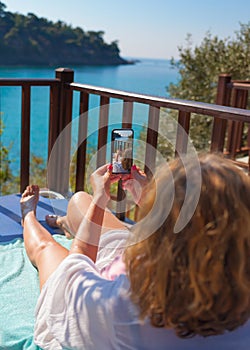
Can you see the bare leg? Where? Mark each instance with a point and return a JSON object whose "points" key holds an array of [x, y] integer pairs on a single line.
{"points": [[77, 208], [43, 251]]}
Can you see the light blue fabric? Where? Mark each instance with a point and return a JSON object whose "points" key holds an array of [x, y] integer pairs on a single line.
{"points": [[19, 290]]}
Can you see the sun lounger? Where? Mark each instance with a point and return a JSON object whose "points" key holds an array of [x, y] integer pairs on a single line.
{"points": [[19, 284], [10, 215]]}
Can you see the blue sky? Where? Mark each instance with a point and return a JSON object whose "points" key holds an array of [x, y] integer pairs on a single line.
{"points": [[144, 28]]}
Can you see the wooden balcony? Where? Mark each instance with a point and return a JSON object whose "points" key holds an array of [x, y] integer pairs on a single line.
{"points": [[230, 133]]}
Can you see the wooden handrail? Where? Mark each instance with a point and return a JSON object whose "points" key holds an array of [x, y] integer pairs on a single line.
{"points": [[178, 104], [28, 81], [240, 85], [235, 94], [61, 96]]}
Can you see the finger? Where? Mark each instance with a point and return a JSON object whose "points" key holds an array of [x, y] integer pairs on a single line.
{"points": [[125, 177], [127, 184], [110, 168], [107, 175], [138, 174], [114, 178], [101, 170], [135, 172]]}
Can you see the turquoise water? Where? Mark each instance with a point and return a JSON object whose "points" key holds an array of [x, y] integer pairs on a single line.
{"points": [[149, 76]]}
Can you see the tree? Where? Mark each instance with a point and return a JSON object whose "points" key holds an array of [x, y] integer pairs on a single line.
{"points": [[2, 9], [10, 183], [199, 68], [38, 41]]}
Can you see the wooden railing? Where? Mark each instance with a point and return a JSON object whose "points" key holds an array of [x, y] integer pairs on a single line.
{"points": [[232, 137], [62, 90], [26, 85]]}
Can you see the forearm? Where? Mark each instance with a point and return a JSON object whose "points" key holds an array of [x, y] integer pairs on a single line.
{"points": [[87, 237]]}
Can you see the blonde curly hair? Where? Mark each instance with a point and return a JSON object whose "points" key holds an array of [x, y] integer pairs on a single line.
{"points": [[198, 280]]}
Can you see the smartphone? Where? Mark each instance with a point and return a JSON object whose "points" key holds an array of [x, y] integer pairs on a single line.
{"points": [[122, 150]]}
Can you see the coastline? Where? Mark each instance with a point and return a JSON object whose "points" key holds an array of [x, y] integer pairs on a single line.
{"points": [[113, 62]]}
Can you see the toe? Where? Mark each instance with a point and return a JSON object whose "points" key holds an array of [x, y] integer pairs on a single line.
{"points": [[51, 220], [25, 192]]}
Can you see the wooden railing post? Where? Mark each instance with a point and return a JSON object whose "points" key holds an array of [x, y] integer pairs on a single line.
{"points": [[235, 129], [127, 116], [152, 137], [25, 138], [82, 142], [220, 125], [60, 138], [182, 133], [102, 131]]}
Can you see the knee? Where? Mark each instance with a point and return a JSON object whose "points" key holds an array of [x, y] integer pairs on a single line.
{"points": [[77, 208], [79, 202], [80, 197]]}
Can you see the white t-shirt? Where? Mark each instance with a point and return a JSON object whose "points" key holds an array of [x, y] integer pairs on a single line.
{"points": [[79, 309]]}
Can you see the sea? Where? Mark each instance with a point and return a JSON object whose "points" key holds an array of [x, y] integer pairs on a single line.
{"points": [[146, 76]]}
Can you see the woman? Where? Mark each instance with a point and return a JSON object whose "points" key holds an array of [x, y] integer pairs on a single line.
{"points": [[166, 286]]}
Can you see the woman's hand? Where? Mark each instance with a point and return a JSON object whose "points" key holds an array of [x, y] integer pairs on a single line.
{"points": [[135, 183], [101, 180]]}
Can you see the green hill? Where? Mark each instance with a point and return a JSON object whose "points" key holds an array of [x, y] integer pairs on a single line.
{"points": [[30, 40]]}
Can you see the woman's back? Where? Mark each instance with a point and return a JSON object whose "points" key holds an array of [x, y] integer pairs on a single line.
{"points": [[80, 309]]}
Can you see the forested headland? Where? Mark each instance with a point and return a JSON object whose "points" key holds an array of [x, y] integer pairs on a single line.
{"points": [[30, 40]]}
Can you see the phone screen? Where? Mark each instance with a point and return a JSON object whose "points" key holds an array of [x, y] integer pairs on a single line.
{"points": [[122, 150]]}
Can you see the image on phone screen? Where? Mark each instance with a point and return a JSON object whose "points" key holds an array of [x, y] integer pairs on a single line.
{"points": [[122, 150]]}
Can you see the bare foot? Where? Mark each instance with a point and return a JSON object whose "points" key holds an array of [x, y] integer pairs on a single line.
{"points": [[59, 222], [52, 220], [29, 200]]}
